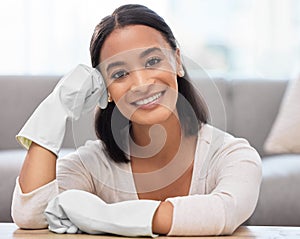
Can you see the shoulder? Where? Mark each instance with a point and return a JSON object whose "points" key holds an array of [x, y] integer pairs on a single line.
{"points": [[223, 156], [219, 138], [222, 144]]}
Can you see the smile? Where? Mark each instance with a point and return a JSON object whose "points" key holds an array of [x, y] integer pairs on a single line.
{"points": [[148, 100]]}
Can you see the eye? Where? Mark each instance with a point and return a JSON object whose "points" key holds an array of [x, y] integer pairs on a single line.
{"points": [[119, 74], [152, 62]]}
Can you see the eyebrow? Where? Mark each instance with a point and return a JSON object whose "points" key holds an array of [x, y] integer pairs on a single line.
{"points": [[142, 54], [148, 51], [114, 64]]}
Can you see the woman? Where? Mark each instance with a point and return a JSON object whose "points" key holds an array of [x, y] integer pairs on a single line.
{"points": [[155, 145]]}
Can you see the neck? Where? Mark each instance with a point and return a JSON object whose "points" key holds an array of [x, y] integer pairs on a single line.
{"points": [[160, 141]]}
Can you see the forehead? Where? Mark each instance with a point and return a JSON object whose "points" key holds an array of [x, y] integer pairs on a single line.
{"points": [[130, 38]]}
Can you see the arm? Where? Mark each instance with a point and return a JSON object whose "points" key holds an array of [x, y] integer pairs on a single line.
{"points": [[28, 207], [162, 219], [126, 218], [237, 175], [39, 168], [76, 93], [43, 134]]}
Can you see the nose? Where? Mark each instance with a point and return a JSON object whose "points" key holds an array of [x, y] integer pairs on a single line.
{"points": [[140, 79]]}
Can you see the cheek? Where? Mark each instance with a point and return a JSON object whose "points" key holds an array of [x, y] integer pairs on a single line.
{"points": [[117, 91], [171, 80]]}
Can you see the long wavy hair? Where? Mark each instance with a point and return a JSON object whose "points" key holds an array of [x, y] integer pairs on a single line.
{"points": [[134, 14]]}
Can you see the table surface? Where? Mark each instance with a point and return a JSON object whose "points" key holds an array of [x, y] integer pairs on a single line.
{"points": [[10, 231]]}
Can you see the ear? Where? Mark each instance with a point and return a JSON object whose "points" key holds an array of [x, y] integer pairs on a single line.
{"points": [[179, 67], [109, 98]]}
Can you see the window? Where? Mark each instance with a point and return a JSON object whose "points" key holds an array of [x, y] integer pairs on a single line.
{"points": [[224, 37]]}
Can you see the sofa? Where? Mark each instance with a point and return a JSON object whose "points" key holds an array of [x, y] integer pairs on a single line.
{"points": [[243, 107]]}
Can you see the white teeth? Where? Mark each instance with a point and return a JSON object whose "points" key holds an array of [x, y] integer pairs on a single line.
{"points": [[149, 99]]}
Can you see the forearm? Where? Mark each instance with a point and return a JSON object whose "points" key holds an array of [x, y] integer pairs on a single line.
{"points": [[162, 220], [39, 168]]}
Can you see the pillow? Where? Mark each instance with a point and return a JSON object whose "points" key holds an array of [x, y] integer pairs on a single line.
{"points": [[285, 133]]}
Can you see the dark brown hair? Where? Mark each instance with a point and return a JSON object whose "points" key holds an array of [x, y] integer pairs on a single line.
{"points": [[191, 108]]}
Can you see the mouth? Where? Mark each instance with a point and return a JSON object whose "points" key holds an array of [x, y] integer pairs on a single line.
{"points": [[153, 99]]}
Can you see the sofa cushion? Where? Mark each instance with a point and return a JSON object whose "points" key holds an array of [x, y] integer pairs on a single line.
{"points": [[278, 202], [254, 108], [285, 134], [19, 97]]}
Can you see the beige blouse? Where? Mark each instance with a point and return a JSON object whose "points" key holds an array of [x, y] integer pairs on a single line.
{"points": [[223, 193]]}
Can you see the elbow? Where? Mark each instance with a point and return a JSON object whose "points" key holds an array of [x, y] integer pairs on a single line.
{"points": [[232, 223], [27, 210], [236, 216], [230, 229], [29, 221]]}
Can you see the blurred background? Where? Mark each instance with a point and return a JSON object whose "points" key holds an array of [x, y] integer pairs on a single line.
{"points": [[250, 50], [230, 38]]}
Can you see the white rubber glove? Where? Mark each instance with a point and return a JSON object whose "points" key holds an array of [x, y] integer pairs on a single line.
{"points": [[74, 210], [75, 94]]}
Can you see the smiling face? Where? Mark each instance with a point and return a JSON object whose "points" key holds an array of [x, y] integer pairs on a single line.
{"points": [[140, 70]]}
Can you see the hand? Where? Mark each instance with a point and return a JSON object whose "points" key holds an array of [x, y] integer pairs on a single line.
{"points": [[90, 214], [80, 90], [75, 94]]}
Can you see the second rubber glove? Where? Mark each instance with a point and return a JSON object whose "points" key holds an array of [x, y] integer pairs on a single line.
{"points": [[75, 94], [75, 210]]}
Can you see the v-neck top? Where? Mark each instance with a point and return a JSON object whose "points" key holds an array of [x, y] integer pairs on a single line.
{"points": [[223, 192]]}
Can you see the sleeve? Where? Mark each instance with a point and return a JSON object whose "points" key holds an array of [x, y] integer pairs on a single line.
{"points": [[28, 208], [237, 177]]}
